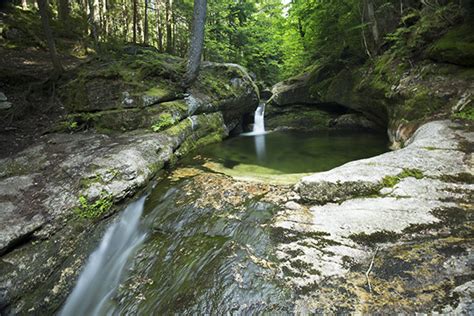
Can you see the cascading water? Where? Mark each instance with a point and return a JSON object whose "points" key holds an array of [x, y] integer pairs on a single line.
{"points": [[259, 131], [104, 268], [259, 120]]}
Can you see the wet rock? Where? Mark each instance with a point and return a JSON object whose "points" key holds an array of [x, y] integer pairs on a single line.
{"points": [[109, 100], [366, 177], [5, 105], [39, 199], [3, 97], [353, 121], [419, 225], [266, 94], [294, 91]]}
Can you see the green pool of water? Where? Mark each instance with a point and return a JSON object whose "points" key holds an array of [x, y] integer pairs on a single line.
{"points": [[293, 152]]}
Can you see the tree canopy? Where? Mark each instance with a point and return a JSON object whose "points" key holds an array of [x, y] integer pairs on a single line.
{"points": [[274, 39]]}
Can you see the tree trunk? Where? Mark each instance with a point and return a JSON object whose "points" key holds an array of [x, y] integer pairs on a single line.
{"points": [[159, 28], [169, 40], [196, 42], [63, 11], [373, 21], [145, 26], [94, 20], [44, 13], [364, 38], [24, 4], [134, 21], [174, 32]]}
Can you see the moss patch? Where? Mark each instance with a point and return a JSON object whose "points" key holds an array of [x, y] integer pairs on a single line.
{"points": [[456, 46], [391, 181], [466, 114], [382, 236], [95, 209], [300, 119], [164, 121]]}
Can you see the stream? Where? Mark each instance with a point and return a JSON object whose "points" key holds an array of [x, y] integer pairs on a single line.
{"points": [[202, 242]]}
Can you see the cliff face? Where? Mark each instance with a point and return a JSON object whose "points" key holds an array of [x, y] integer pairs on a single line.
{"points": [[426, 73]]}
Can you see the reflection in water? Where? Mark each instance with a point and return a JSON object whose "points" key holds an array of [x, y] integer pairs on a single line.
{"points": [[296, 151], [260, 148]]}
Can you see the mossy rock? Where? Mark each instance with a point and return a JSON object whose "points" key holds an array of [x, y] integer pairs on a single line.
{"points": [[300, 119], [121, 119], [227, 88], [456, 46], [122, 81]]}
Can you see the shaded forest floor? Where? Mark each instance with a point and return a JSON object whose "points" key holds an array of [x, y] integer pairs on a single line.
{"points": [[25, 80]]}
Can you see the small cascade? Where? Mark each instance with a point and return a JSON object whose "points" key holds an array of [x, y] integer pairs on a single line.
{"points": [[259, 120], [103, 271]]}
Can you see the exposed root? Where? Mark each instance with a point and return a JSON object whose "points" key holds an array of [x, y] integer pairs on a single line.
{"points": [[370, 269]]}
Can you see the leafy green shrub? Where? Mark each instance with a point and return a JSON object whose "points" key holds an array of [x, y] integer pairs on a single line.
{"points": [[465, 114], [95, 209], [165, 121]]}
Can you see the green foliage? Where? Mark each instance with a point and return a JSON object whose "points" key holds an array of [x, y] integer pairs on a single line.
{"points": [[391, 181], [246, 33], [418, 28], [456, 46], [165, 120], [466, 114], [96, 209]]}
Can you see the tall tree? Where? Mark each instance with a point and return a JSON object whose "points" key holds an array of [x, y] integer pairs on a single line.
{"points": [[44, 13], [63, 11], [135, 13], [373, 21], [169, 31], [196, 42], [145, 22], [159, 28], [94, 20]]}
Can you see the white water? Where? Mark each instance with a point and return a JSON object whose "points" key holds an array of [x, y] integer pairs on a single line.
{"points": [[259, 120], [259, 131], [104, 268]]}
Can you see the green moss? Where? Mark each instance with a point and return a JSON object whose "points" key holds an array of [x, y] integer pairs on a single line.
{"points": [[102, 83], [456, 46], [382, 236], [300, 119], [464, 178], [421, 105], [116, 120], [157, 92], [96, 209], [179, 106], [415, 173], [165, 120], [466, 114], [391, 181]]}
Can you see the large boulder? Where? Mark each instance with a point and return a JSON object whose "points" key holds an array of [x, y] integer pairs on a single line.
{"points": [[455, 47], [295, 90], [227, 88], [145, 91]]}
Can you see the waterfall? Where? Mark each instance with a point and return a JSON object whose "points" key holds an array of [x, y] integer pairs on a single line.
{"points": [[103, 271], [259, 120]]}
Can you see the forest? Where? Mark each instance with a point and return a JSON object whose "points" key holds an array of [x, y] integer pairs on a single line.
{"points": [[236, 157]]}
